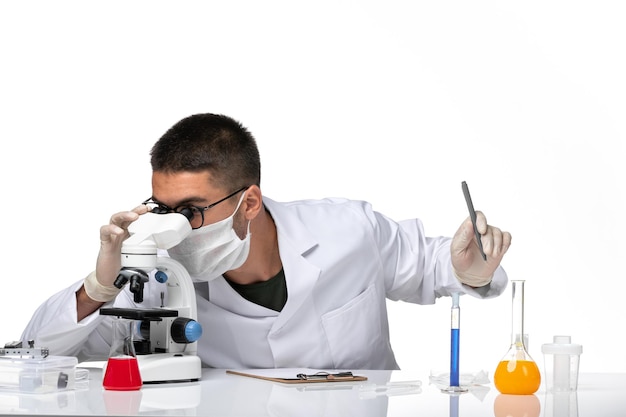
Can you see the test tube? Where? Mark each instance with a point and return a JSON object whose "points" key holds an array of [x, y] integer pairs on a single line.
{"points": [[455, 330], [454, 340]]}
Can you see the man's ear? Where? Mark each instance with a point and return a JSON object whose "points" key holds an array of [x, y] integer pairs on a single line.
{"points": [[253, 202]]}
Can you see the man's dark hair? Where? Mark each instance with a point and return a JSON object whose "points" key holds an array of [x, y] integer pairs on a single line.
{"points": [[210, 142]]}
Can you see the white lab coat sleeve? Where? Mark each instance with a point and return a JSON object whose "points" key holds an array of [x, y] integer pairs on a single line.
{"points": [[54, 325], [418, 268]]}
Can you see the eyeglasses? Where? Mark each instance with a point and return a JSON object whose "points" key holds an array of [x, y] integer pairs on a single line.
{"points": [[195, 214]]}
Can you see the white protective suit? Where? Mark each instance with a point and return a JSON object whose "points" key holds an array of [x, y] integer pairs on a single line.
{"points": [[341, 259]]}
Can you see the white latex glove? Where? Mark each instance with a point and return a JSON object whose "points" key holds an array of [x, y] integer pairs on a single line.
{"points": [[99, 284], [468, 264]]}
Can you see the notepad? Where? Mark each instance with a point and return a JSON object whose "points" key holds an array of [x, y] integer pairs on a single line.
{"points": [[299, 376]]}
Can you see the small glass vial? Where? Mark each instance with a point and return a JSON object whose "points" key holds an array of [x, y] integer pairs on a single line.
{"points": [[517, 373]]}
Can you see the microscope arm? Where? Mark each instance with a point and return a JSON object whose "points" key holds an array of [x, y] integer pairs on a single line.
{"points": [[180, 290]]}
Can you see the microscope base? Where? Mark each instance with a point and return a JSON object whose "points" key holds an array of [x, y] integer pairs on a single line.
{"points": [[169, 367]]}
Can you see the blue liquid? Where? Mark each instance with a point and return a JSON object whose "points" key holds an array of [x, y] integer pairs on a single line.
{"points": [[454, 357]]}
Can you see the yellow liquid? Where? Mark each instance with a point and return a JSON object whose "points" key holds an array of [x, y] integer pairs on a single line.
{"points": [[523, 379]]}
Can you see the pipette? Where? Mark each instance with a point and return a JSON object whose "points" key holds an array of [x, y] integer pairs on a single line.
{"points": [[455, 330]]}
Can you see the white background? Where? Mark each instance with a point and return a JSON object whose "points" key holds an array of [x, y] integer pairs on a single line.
{"points": [[394, 102]]}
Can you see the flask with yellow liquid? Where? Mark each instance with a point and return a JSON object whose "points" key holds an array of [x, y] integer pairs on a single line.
{"points": [[517, 373]]}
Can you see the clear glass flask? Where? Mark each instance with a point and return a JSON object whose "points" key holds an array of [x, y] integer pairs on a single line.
{"points": [[122, 369], [517, 373]]}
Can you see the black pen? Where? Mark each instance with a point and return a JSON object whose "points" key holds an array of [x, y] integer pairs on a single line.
{"points": [[327, 376], [472, 212]]}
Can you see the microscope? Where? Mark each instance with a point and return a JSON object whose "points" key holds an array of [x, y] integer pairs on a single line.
{"points": [[166, 342]]}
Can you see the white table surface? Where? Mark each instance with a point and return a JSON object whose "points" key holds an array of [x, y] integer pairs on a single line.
{"points": [[222, 394]]}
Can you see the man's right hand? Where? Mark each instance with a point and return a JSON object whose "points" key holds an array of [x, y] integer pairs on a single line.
{"points": [[108, 264], [112, 236]]}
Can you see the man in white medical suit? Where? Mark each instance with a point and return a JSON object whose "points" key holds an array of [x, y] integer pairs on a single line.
{"points": [[297, 284]]}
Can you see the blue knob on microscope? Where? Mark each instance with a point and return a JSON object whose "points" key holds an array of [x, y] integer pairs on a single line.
{"points": [[160, 276], [185, 330], [193, 331]]}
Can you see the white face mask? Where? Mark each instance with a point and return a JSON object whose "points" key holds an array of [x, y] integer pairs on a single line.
{"points": [[211, 250]]}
